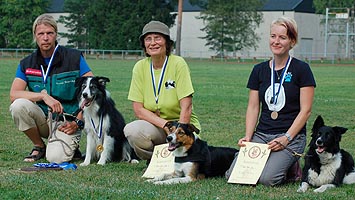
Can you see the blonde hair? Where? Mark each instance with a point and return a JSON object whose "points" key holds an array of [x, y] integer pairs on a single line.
{"points": [[290, 25], [46, 20]]}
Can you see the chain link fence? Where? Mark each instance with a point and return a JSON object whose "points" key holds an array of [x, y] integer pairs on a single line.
{"points": [[139, 54]]}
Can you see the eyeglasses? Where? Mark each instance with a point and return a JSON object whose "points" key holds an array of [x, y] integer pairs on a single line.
{"points": [[155, 38]]}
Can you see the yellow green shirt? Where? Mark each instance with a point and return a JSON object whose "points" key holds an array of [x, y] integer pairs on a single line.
{"points": [[176, 84]]}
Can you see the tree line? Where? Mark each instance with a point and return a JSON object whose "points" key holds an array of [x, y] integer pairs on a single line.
{"points": [[117, 24]]}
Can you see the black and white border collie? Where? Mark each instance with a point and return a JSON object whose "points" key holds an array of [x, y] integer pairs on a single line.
{"points": [[194, 159], [326, 165], [103, 123]]}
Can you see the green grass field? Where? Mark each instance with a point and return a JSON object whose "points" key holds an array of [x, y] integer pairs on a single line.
{"points": [[220, 101]]}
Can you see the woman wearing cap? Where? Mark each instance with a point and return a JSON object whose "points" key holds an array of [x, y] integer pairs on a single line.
{"points": [[284, 87], [161, 90]]}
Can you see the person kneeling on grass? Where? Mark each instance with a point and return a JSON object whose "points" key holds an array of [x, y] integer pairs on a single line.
{"points": [[49, 74], [281, 95]]}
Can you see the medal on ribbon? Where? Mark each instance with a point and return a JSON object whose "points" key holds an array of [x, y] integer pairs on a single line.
{"points": [[275, 94], [274, 115], [155, 89], [100, 148], [98, 132]]}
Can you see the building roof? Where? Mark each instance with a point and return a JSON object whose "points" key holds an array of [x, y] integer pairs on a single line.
{"points": [[187, 7], [305, 6], [57, 6]]}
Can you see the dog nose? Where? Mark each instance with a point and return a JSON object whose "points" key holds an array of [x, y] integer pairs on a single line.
{"points": [[169, 138], [319, 141], [85, 95]]}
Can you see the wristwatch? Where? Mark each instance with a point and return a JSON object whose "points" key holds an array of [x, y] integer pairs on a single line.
{"points": [[288, 136], [80, 124]]}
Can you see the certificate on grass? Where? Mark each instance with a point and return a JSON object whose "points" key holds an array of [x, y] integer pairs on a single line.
{"points": [[162, 162], [250, 163]]}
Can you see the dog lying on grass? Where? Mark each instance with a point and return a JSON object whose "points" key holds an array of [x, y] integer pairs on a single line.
{"points": [[326, 165], [194, 159]]}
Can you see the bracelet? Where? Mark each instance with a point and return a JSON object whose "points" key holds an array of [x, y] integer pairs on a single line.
{"points": [[288, 136]]}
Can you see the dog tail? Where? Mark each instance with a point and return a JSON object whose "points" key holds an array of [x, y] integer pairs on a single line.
{"points": [[350, 178], [128, 153]]}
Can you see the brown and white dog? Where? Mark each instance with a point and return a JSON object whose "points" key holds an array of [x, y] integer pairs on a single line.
{"points": [[194, 159]]}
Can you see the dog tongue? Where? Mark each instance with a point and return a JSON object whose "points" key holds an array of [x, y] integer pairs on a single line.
{"points": [[171, 147], [320, 149], [84, 103]]}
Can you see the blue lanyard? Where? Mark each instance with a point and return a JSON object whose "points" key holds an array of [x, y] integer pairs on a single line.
{"points": [[275, 95], [45, 74], [99, 132], [157, 91]]}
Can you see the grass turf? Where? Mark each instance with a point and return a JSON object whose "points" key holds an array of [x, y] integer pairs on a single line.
{"points": [[220, 102]]}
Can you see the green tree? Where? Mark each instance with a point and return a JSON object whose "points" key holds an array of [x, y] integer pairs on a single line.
{"points": [[230, 24], [16, 19], [112, 24], [75, 23]]}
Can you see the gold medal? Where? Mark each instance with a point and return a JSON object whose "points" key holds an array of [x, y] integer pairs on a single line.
{"points": [[274, 115], [99, 148]]}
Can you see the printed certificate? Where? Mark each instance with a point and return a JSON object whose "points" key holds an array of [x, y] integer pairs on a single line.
{"points": [[250, 163], [162, 162]]}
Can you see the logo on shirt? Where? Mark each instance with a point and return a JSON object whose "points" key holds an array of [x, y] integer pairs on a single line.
{"points": [[170, 84], [33, 72], [288, 77]]}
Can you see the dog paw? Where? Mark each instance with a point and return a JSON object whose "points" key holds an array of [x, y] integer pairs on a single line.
{"points": [[159, 183], [101, 163], [324, 188], [319, 190], [303, 187], [134, 161], [151, 180], [84, 164]]}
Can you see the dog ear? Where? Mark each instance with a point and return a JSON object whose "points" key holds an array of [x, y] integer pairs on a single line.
{"points": [[79, 81], [193, 128], [317, 124], [167, 127], [339, 130], [102, 80], [168, 124]]}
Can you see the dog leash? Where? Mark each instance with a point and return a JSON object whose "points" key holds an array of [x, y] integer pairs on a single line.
{"points": [[294, 153], [52, 131]]}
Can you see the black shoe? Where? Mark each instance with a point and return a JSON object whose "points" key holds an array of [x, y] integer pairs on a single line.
{"points": [[77, 155]]}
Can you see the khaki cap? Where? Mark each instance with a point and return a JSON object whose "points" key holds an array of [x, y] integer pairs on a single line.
{"points": [[155, 27]]}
